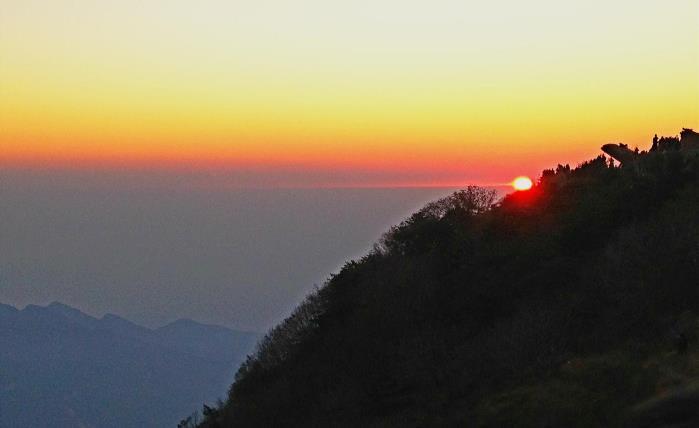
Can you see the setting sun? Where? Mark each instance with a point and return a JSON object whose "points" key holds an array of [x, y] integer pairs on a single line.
{"points": [[522, 183]]}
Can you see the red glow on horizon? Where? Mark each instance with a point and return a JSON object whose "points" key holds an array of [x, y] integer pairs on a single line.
{"points": [[258, 172]]}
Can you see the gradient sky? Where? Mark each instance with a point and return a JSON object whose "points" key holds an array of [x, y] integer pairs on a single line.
{"points": [[340, 93]]}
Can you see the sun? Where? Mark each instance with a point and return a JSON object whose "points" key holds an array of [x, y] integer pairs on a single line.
{"points": [[522, 183]]}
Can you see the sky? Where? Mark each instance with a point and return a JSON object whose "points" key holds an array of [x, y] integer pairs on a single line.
{"points": [[389, 92], [215, 159], [242, 258]]}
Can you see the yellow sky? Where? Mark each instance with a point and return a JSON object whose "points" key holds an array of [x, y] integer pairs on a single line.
{"points": [[483, 89]]}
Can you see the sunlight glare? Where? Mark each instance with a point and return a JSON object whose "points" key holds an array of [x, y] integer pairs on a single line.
{"points": [[522, 183]]}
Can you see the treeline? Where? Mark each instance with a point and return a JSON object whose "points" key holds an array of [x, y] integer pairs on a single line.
{"points": [[549, 307]]}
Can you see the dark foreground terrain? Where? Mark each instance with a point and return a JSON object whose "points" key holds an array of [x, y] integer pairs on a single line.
{"points": [[572, 304], [62, 368]]}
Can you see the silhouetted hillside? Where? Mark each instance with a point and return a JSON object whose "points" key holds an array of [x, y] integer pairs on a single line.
{"points": [[572, 304], [62, 368]]}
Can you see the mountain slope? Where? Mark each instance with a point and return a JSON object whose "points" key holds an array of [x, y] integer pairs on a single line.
{"points": [[62, 368], [566, 305]]}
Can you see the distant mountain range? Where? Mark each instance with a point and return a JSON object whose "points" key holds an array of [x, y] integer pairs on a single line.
{"points": [[60, 367]]}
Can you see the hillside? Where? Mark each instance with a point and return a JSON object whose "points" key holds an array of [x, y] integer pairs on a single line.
{"points": [[62, 368], [572, 304]]}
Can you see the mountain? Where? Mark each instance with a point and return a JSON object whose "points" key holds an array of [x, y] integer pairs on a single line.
{"points": [[573, 304], [7, 310], [60, 367]]}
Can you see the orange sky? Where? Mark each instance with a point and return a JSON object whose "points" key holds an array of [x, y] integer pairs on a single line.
{"points": [[386, 92]]}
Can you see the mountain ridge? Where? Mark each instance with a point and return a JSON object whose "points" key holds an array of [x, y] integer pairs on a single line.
{"points": [[572, 304], [60, 367]]}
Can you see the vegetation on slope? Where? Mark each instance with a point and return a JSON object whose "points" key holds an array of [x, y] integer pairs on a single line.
{"points": [[566, 305]]}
